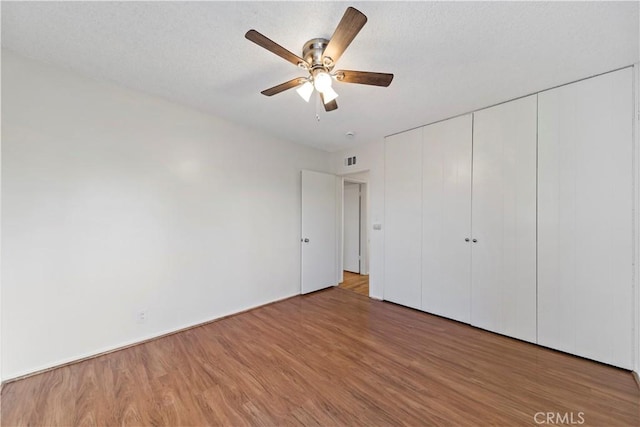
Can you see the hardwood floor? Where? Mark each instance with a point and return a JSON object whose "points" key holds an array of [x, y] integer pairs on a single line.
{"points": [[356, 283], [329, 358]]}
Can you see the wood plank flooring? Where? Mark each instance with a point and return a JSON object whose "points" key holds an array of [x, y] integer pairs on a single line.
{"points": [[329, 358], [355, 282]]}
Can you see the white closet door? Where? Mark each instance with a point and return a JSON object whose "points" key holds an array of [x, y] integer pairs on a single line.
{"points": [[503, 290], [403, 218], [585, 294], [446, 218]]}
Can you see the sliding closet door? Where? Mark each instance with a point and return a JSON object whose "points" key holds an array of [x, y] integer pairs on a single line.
{"points": [[446, 218], [403, 218], [585, 294], [503, 290]]}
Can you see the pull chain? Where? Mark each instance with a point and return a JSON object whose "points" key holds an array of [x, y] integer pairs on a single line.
{"points": [[318, 102]]}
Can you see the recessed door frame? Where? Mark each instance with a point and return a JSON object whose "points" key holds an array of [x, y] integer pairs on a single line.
{"points": [[352, 227], [364, 222]]}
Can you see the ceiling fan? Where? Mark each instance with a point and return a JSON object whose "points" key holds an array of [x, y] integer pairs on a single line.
{"points": [[319, 57]]}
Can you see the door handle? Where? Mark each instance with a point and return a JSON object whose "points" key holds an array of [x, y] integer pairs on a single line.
{"points": [[466, 239], [475, 240], [305, 240]]}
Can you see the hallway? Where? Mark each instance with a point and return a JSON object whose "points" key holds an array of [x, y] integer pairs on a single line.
{"points": [[355, 282]]}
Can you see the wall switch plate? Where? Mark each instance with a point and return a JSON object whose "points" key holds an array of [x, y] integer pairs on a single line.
{"points": [[377, 226]]}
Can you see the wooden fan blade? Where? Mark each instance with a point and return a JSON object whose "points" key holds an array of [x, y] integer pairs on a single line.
{"points": [[364, 77], [329, 106], [350, 25], [284, 86], [272, 46]]}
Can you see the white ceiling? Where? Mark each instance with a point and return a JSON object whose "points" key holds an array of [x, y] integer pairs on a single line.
{"points": [[448, 57]]}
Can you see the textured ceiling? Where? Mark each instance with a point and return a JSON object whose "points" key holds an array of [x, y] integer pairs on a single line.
{"points": [[448, 57]]}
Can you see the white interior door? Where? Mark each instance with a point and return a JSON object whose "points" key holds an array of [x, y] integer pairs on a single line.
{"points": [[446, 218], [318, 238], [351, 254], [503, 289]]}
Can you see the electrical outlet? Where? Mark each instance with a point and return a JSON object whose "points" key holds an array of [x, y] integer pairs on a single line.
{"points": [[141, 316]]}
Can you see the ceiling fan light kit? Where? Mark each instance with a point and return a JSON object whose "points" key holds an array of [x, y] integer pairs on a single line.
{"points": [[319, 57]]}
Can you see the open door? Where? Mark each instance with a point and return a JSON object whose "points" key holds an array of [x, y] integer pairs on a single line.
{"points": [[318, 237]]}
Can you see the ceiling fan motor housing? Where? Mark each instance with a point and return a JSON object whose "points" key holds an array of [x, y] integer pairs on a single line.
{"points": [[312, 54]]}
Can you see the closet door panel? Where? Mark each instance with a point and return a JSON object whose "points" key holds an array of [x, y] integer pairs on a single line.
{"points": [[403, 218], [503, 291], [446, 218], [585, 294]]}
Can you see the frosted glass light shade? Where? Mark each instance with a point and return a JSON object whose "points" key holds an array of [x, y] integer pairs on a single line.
{"points": [[305, 91], [329, 95], [322, 81]]}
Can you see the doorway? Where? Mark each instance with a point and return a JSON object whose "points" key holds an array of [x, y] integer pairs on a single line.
{"points": [[352, 219], [354, 248]]}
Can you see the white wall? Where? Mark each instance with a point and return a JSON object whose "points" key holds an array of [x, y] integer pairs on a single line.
{"points": [[370, 157], [115, 202]]}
